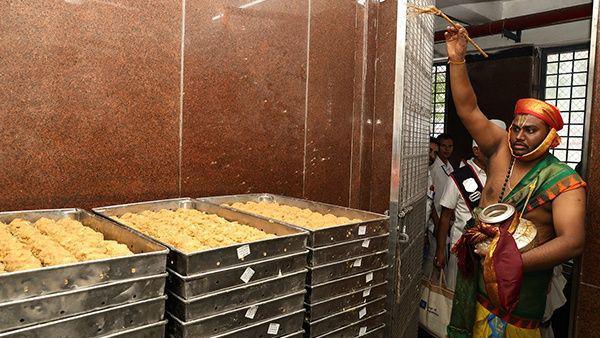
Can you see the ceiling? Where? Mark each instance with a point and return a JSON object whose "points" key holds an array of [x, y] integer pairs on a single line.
{"points": [[474, 12]]}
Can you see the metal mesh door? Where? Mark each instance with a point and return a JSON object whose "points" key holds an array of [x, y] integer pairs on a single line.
{"points": [[412, 113]]}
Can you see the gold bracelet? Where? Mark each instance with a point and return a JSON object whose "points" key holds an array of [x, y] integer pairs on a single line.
{"points": [[450, 62]]}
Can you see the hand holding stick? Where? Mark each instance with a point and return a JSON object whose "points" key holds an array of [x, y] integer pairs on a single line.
{"points": [[438, 12]]}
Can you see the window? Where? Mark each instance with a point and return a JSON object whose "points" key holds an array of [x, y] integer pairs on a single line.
{"points": [[564, 84], [438, 117]]}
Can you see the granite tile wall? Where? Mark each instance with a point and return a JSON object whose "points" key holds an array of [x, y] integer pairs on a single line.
{"points": [[89, 94], [99, 105], [244, 101]]}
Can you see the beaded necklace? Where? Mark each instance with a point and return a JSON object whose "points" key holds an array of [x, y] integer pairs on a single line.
{"points": [[507, 179]]}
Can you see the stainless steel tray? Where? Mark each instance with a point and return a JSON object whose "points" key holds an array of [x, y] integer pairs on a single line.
{"points": [[344, 285], [373, 325], [289, 239], [154, 330], [372, 224], [251, 293], [97, 323], [346, 250], [285, 324], [328, 272], [378, 332], [30, 311], [341, 319], [149, 259], [236, 319], [203, 283], [341, 303]]}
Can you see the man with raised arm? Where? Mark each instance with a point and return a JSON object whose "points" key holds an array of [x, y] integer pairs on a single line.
{"points": [[500, 291]]}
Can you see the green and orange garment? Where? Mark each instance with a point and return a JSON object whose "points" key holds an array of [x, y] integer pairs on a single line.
{"points": [[499, 285]]}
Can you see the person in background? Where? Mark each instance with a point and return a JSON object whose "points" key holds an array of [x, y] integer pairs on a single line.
{"points": [[440, 170], [431, 215]]}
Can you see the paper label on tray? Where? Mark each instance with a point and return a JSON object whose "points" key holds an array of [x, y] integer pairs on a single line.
{"points": [[362, 331], [369, 277], [362, 313], [273, 328], [357, 263], [248, 273], [243, 251], [367, 292], [366, 243], [362, 230], [251, 312]]}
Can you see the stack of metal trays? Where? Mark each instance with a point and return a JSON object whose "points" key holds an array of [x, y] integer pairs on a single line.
{"points": [[347, 268], [116, 297], [246, 290]]}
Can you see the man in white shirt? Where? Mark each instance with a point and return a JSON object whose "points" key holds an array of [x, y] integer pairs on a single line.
{"points": [[441, 168], [466, 182], [432, 217], [438, 171]]}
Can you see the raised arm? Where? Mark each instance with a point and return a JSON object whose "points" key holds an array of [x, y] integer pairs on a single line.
{"points": [[487, 135], [568, 214]]}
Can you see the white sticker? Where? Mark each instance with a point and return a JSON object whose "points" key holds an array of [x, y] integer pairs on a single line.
{"points": [[366, 243], [243, 251], [362, 331], [369, 277], [273, 328], [251, 312], [357, 263], [362, 230], [247, 275], [362, 313], [367, 292]]}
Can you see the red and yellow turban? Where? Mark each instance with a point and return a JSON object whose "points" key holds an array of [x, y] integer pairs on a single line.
{"points": [[547, 113], [542, 110]]}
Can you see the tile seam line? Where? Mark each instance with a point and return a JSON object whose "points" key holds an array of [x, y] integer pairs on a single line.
{"points": [[181, 70], [306, 102]]}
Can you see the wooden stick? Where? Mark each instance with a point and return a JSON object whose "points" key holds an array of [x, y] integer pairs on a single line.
{"points": [[438, 12]]}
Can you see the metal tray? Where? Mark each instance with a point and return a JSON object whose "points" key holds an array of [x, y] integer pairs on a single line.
{"points": [[251, 293], [196, 285], [234, 320], [327, 290], [341, 319], [341, 303], [286, 324], [149, 259], [375, 333], [289, 239], [37, 310], [97, 323], [374, 325], [154, 330], [328, 272], [372, 224], [346, 250]]}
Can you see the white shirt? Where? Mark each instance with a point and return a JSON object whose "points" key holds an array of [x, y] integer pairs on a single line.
{"points": [[439, 177], [430, 194], [452, 199]]}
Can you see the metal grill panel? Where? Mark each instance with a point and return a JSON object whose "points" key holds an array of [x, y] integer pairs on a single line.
{"points": [[417, 105], [412, 116]]}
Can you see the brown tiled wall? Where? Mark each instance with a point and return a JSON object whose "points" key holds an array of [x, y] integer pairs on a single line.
{"points": [[587, 323], [277, 96]]}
